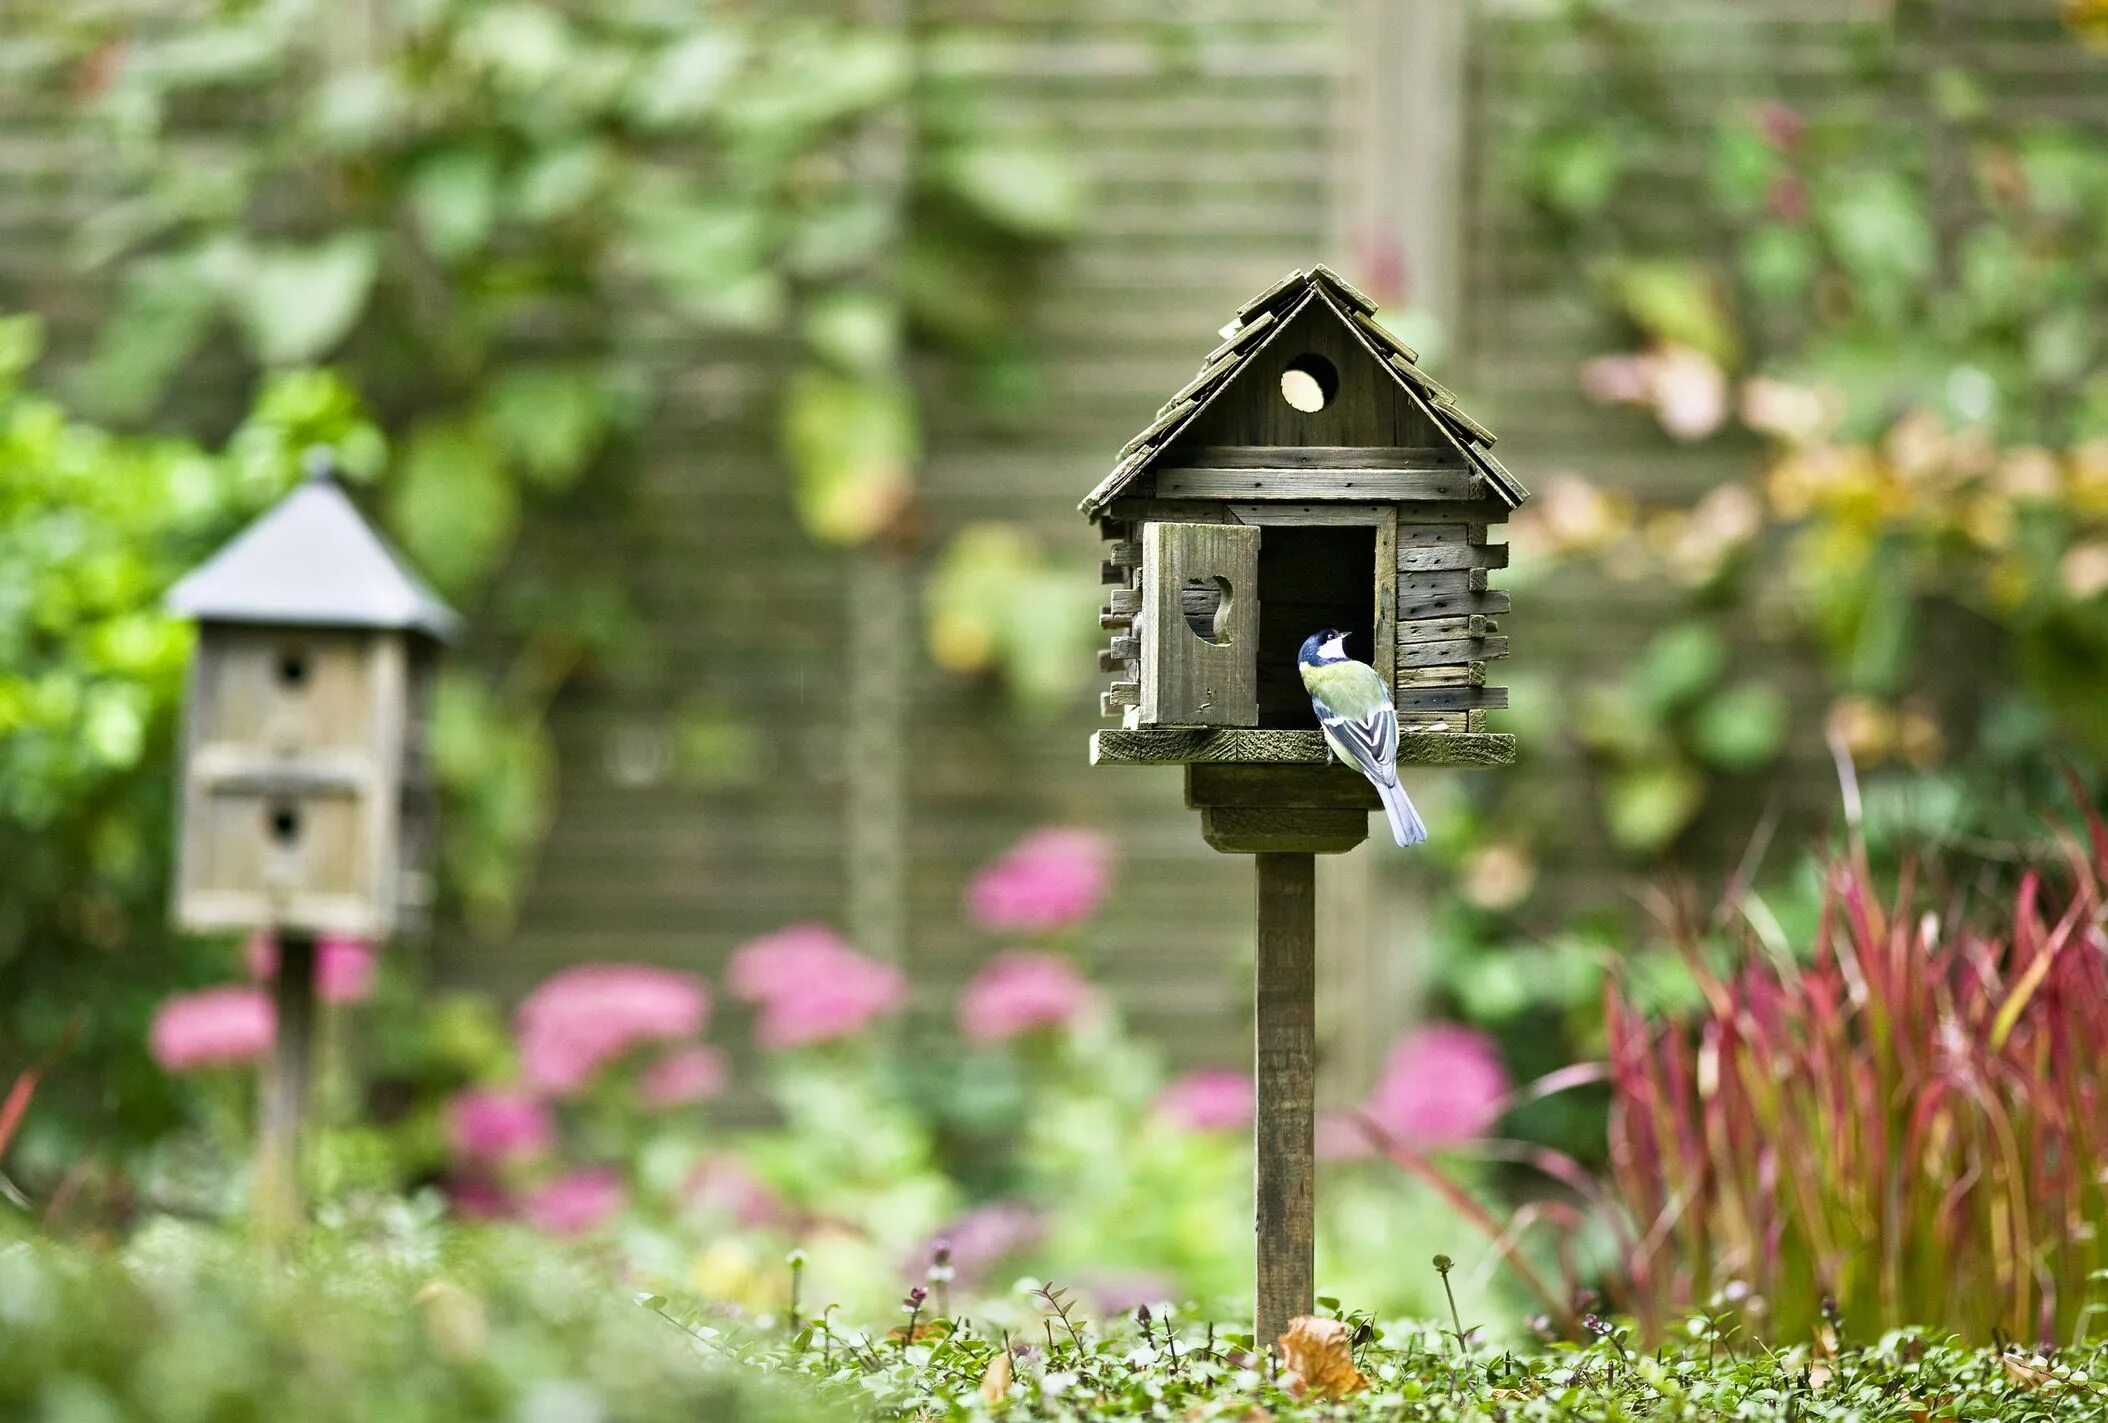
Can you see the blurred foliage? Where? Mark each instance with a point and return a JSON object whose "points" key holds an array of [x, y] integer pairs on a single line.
{"points": [[392, 1316], [1892, 290], [93, 528], [1879, 298], [501, 220]]}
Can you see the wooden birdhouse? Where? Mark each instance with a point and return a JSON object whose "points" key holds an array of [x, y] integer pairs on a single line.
{"points": [[307, 804], [1310, 476]]}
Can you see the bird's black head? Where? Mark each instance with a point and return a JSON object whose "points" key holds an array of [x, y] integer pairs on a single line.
{"points": [[1322, 647]]}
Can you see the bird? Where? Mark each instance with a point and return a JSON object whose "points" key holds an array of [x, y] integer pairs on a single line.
{"points": [[1360, 723]]}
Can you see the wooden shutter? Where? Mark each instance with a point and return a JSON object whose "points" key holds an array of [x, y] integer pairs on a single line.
{"points": [[1200, 625]]}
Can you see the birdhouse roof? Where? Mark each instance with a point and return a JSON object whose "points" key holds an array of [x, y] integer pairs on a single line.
{"points": [[1257, 322], [312, 561]]}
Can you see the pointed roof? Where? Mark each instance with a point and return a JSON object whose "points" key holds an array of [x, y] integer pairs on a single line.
{"points": [[311, 561], [1257, 322]]}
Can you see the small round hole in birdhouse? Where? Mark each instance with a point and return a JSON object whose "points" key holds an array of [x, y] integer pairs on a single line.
{"points": [[285, 824], [1309, 383], [292, 667], [1206, 604]]}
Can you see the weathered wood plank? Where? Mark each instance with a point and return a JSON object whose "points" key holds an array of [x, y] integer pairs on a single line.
{"points": [[1461, 581], [1263, 830], [1452, 698], [1463, 649], [1307, 514], [1284, 1146], [1138, 510], [1192, 678], [1442, 629], [1307, 787], [1320, 457], [1385, 654], [1170, 745], [1188, 482], [1423, 534], [1417, 605], [1436, 558], [1448, 674]]}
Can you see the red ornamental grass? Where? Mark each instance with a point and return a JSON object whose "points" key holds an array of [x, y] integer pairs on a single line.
{"points": [[1914, 1124]]}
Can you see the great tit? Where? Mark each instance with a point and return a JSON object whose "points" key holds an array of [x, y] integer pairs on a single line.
{"points": [[1360, 723]]}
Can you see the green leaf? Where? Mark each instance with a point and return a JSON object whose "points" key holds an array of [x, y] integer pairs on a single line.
{"points": [[1779, 262], [21, 341], [549, 418], [852, 445], [454, 195], [1879, 229], [296, 303], [685, 82], [1649, 806], [856, 330], [1032, 193], [1679, 301], [1743, 167], [1678, 665], [164, 311], [452, 504], [1742, 728], [1578, 172]]}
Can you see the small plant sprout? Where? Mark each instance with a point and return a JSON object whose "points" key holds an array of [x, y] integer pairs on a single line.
{"points": [[940, 1277], [796, 1260], [912, 1307], [1443, 1265]]}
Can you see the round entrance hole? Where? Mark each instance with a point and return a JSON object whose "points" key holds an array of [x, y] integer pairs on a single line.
{"points": [[1310, 383], [285, 824]]}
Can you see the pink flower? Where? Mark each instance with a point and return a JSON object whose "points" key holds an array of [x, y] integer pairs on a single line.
{"points": [[1689, 392], [723, 1185], [1016, 993], [1780, 126], [344, 967], [216, 1027], [575, 1204], [344, 970], [784, 962], [260, 956], [495, 1125], [685, 1075], [1049, 880], [586, 1017], [1212, 1099], [1341, 1137], [812, 987], [982, 1239], [1121, 1291], [1442, 1086]]}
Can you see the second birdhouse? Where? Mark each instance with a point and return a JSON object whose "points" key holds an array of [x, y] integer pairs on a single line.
{"points": [[307, 795], [1310, 476]]}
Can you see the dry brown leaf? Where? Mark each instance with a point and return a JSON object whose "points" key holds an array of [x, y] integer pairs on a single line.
{"points": [[2024, 1372], [995, 1384], [1320, 1354]]}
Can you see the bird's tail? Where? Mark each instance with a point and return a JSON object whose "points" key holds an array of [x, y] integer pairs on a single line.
{"points": [[1406, 824]]}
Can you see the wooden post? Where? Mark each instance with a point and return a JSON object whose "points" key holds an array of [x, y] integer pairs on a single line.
{"points": [[1284, 1128], [278, 1202]]}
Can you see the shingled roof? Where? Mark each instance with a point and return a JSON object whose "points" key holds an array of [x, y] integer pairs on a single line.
{"points": [[1258, 322], [311, 561]]}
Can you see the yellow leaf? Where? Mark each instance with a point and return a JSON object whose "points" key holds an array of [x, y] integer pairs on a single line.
{"points": [[995, 1384], [1320, 1354]]}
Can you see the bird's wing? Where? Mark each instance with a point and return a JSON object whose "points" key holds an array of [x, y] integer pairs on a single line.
{"points": [[1364, 727]]}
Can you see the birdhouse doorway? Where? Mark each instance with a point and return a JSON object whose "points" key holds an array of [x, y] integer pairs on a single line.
{"points": [[1311, 576]]}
